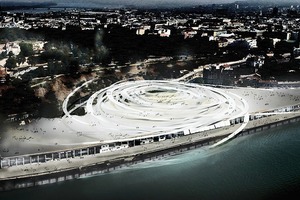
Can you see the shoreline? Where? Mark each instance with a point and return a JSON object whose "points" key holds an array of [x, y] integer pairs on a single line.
{"points": [[118, 162]]}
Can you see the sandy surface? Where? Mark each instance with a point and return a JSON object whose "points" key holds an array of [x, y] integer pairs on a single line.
{"points": [[139, 109]]}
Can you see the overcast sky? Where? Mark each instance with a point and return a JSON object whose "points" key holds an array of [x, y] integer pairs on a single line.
{"points": [[144, 2], [121, 1], [100, 3]]}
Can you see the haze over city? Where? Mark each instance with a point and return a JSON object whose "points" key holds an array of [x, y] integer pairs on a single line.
{"points": [[145, 3]]}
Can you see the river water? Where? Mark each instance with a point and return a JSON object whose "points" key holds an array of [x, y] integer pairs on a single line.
{"points": [[265, 165]]}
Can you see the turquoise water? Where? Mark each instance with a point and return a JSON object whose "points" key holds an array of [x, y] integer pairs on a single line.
{"points": [[259, 166]]}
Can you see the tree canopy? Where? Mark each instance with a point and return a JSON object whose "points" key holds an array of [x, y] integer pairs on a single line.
{"points": [[11, 63], [26, 49]]}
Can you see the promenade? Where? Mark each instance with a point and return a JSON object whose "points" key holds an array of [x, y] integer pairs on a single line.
{"points": [[60, 165], [132, 118]]}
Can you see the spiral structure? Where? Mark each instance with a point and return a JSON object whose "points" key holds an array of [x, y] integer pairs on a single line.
{"points": [[159, 107]]}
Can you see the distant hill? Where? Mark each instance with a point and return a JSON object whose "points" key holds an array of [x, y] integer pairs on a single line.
{"points": [[267, 2], [20, 5]]}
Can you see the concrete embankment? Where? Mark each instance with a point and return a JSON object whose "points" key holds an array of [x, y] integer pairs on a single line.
{"points": [[87, 166]]}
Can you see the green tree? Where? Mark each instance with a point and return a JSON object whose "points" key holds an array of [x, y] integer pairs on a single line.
{"points": [[10, 54], [3, 55], [101, 51], [74, 67], [11, 63], [53, 54], [20, 59], [265, 44], [32, 60], [26, 49]]}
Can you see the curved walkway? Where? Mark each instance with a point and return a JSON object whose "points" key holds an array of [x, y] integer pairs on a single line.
{"points": [[140, 108]]}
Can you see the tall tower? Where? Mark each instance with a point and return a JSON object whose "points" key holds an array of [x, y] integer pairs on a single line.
{"points": [[275, 11]]}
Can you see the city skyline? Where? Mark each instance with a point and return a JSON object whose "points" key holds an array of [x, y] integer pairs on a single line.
{"points": [[143, 3], [88, 88]]}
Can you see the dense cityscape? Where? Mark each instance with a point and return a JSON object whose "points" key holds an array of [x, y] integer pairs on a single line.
{"points": [[86, 91], [234, 44]]}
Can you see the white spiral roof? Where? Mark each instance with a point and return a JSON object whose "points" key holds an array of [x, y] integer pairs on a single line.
{"points": [[158, 107]]}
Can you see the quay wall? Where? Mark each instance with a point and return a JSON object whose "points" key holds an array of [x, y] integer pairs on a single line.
{"points": [[109, 165]]}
